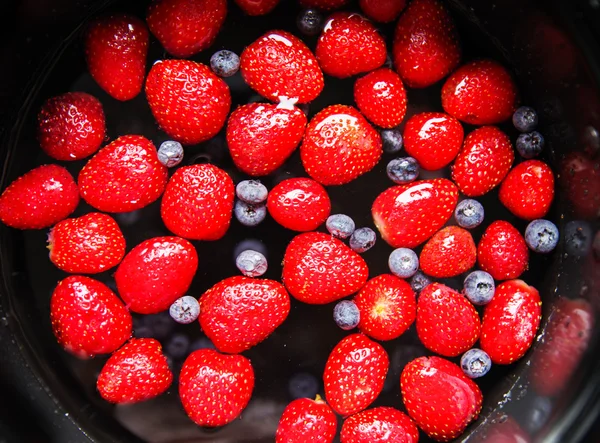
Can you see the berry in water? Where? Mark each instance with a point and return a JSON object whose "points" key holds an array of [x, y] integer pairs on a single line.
{"points": [[525, 119], [310, 22], [170, 153], [530, 145], [479, 287], [403, 262], [392, 140], [225, 63], [403, 170], [475, 363], [541, 236], [251, 263], [346, 315], [362, 240], [185, 310], [249, 215], [251, 191], [340, 225], [469, 213]]}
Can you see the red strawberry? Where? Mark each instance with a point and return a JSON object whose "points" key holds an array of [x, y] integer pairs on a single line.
{"points": [[307, 420], [215, 388], [407, 215], [502, 251], [156, 273], [480, 93], [379, 425], [354, 374], [320, 269], [433, 139], [349, 45], [189, 102], [450, 252], [123, 176], [88, 244], [87, 317], [339, 145], [40, 198], [326, 5], [510, 321], [186, 27], [528, 190], [447, 323], [257, 7], [384, 11], [581, 177], [381, 97], [299, 204], [116, 48], [387, 306], [439, 397], [280, 66], [136, 372], [71, 126], [483, 161], [262, 136], [426, 47]]}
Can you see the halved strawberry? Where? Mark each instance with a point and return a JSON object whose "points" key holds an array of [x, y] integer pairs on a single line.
{"points": [[307, 420], [257, 7], [381, 97], [581, 177], [379, 425], [383, 11], [450, 252], [502, 251]]}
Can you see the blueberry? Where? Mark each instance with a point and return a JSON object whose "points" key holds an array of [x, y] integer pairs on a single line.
{"points": [[170, 153], [340, 225], [249, 243], [541, 236], [310, 22], [530, 145], [419, 281], [249, 215], [185, 310], [469, 213], [303, 385], [362, 239], [225, 63], [143, 331], [525, 119], [251, 191], [538, 412], [251, 263], [161, 325], [346, 315], [201, 343], [392, 140], [177, 347], [475, 363], [403, 170], [403, 262], [479, 287], [578, 238]]}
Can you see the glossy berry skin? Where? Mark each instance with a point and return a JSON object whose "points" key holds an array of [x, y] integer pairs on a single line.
{"points": [[170, 153], [502, 251], [469, 213], [362, 239], [251, 191], [450, 252], [392, 140], [340, 225], [403, 262], [379, 425], [479, 287], [257, 7], [403, 170], [525, 119], [381, 97], [325, 5], [383, 11], [530, 145], [510, 321], [87, 317], [541, 236], [310, 22], [39, 198], [307, 420], [475, 363], [249, 215], [185, 310], [225, 63], [251, 263], [346, 315], [419, 281], [137, 372]]}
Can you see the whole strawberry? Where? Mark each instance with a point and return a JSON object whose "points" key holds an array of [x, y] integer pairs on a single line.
{"points": [[383, 11], [379, 425], [450, 252], [138, 371], [323, 4], [381, 97], [581, 178], [257, 7], [502, 251], [307, 420]]}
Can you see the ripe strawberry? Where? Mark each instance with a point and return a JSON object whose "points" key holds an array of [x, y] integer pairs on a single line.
{"points": [[262, 136], [349, 45], [387, 306], [202, 211], [379, 425], [502, 251], [138, 371], [257, 7], [484, 160], [581, 178], [40, 198], [116, 48], [433, 139], [354, 374], [481, 92], [381, 97], [155, 273], [186, 27], [280, 66], [320, 269], [439, 397], [88, 244], [123, 176], [383, 11], [87, 317], [71, 126], [407, 215], [307, 420], [215, 388], [426, 46], [339, 145], [510, 321], [189, 102], [450, 252], [325, 5]]}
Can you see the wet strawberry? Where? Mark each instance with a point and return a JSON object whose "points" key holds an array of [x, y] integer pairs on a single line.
{"points": [[450, 252], [307, 420], [326, 5], [257, 7], [383, 11], [381, 97], [581, 178], [502, 251], [379, 425]]}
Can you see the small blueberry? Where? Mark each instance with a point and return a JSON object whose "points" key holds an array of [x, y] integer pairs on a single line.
{"points": [[249, 215], [346, 315], [251, 263], [419, 281], [310, 22], [479, 287], [362, 240], [225, 63], [541, 236], [530, 145], [185, 310], [177, 346], [578, 238], [251, 191], [469, 213], [403, 170], [170, 153], [201, 343], [160, 324], [303, 385], [392, 140], [340, 225], [475, 363], [249, 243], [403, 262], [525, 119]]}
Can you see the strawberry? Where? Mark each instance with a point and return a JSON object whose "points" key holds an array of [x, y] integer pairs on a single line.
{"points": [[325, 5], [280, 66], [354, 374], [189, 102], [581, 178], [320, 269], [426, 46], [123, 176], [307, 420], [510, 321], [116, 48], [40, 198], [484, 160], [433, 139], [88, 244], [447, 323], [407, 215], [381, 97], [87, 317], [257, 7], [439, 397], [481, 92], [138, 371], [155, 273], [379, 425], [186, 27], [383, 11], [299, 204], [262, 136], [450, 252], [202, 211], [528, 190], [215, 388], [502, 251], [71, 126], [387, 306], [349, 45], [339, 145]]}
